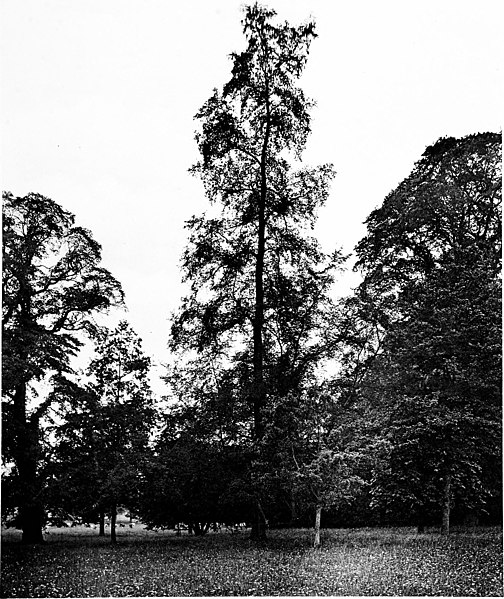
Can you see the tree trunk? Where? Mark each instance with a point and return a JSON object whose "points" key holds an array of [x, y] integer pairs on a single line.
{"points": [[445, 525], [102, 524], [259, 524], [32, 516], [316, 540], [258, 391], [258, 532], [291, 503], [113, 518], [31, 509], [421, 520]]}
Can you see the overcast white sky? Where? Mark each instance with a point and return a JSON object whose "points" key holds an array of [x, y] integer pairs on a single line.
{"points": [[98, 99]]}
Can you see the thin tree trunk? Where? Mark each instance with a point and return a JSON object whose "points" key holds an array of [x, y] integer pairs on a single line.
{"points": [[259, 524], [445, 525], [258, 392], [258, 532], [293, 508], [316, 540], [102, 524], [113, 518], [421, 520], [258, 360]]}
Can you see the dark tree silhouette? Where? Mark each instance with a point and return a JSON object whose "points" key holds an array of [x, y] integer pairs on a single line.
{"points": [[103, 443], [258, 280], [431, 261], [52, 286]]}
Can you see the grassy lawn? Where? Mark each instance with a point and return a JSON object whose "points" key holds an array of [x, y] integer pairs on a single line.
{"points": [[77, 563]]}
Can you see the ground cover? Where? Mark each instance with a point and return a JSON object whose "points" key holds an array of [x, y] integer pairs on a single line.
{"points": [[77, 563]]}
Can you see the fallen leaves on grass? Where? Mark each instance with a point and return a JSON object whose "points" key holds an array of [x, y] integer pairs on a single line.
{"points": [[360, 562]]}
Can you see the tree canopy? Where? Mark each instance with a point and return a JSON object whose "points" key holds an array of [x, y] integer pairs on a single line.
{"points": [[431, 264], [53, 285], [102, 446]]}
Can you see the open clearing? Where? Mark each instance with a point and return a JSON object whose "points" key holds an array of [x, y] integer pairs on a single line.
{"points": [[77, 563]]}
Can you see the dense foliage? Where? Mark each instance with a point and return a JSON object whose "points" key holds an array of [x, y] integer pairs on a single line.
{"points": [[52, 286], [196, 483], [102, 443], [431, 264]]}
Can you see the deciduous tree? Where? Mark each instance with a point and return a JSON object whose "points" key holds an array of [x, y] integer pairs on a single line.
{"points": [[103, 444], [52, 286], [316, 450], [431, 261]]}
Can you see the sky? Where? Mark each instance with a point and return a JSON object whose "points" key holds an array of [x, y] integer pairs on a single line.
{"points": [[98, 97]]}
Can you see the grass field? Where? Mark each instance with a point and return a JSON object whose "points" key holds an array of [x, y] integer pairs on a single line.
{"points": [[77, 563]]}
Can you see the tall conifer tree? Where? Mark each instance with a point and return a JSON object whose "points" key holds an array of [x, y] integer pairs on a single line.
{"points": [[259, 281]]}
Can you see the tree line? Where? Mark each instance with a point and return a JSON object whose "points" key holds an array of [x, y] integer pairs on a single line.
{"points": [[287, 406]]}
